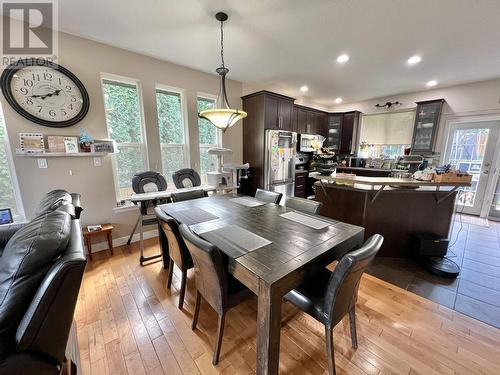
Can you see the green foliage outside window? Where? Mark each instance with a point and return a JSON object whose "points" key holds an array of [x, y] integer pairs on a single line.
{"points": [[208, 136], [123, 117]]}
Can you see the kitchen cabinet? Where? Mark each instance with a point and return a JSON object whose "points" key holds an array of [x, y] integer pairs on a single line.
{"points": [[425, 131], [310, 121], [333, 131], [278, 112], [301, 184], [350, 122]]}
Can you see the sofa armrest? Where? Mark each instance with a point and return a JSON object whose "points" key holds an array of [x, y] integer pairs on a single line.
{"points": [[6, 232], [77, 204]]}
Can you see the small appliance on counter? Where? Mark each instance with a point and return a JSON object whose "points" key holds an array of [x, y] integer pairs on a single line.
{"points": [[357, 162], [410, 163], [302, 161]]}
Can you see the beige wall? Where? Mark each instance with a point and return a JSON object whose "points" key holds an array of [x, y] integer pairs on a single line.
{"points": [[87, 60], [478, 98]]}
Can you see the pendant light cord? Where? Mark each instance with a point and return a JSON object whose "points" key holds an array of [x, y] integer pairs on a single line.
{"points": [[222, 42]]}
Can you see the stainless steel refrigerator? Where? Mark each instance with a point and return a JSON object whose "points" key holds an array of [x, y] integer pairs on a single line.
{"points": [[279, 162]]}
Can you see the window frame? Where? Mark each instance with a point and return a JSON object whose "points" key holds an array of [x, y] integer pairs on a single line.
{"points": [[218, 133], [144, 145], [21, 217], [184, 113]]}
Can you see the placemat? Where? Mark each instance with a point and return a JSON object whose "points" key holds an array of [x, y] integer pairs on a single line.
{"points": [[306, 220], [247, 202], [192, 216], [234, 240]]}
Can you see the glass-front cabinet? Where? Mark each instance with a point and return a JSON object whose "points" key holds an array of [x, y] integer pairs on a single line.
{"points": [[426, 126], [333, 133]]}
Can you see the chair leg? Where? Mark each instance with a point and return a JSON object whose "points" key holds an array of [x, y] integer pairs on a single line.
{"points": [[352, 323], [183, 289], [170, 273], [196, 310], [330, 355], [218, 342]]}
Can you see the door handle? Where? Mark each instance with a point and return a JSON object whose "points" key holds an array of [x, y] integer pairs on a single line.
{"points": [[486, 172]]}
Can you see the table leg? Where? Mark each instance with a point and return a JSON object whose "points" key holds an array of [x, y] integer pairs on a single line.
{"points": [[89, 247], [268, 330], [110, 241]]}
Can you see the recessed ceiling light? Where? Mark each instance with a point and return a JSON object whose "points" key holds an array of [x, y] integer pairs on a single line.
{"points": [[414, 60], [304, 89], [338, 100], [431, 83], [343, 59]]}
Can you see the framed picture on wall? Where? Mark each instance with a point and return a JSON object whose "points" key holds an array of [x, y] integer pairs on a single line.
{"points": [[32, 143], [56, 143], [71, 145]]}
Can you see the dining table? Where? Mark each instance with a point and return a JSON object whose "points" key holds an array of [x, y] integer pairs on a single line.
{"points": [[271, 249]]}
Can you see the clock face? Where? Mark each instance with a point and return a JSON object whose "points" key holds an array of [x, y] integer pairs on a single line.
{"points": [[45, 93]]}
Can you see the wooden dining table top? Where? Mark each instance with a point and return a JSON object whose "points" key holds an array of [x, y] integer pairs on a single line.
{"points": [[292, 244]]}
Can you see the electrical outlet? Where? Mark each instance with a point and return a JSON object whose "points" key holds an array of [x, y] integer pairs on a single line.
{"points": [[42, 163], [97, 162]]}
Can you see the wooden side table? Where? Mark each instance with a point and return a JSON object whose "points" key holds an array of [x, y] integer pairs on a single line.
{"points": [[106, 229]]}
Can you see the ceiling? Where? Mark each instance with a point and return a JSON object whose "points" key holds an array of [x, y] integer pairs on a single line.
{"points": [[284, 44]]}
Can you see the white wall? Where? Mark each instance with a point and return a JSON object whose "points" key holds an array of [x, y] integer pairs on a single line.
{"points": [[87, 60], [478, 98]]}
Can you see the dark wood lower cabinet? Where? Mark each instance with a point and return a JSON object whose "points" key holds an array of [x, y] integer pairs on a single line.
{"points": [[301, 181]]}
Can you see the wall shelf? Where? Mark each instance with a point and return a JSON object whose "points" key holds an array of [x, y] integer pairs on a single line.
{"points": [[61, 154]]}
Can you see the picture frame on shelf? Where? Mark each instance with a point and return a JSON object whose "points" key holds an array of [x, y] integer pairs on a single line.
{"points": [[104, 145], [71, 145], [56, 143], [32, 143]]}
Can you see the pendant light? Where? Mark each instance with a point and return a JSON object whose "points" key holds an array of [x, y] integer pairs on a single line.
{"points": [[222, 116]]}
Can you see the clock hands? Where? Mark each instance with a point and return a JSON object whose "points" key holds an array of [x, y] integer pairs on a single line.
{"points": [[46, 95]]}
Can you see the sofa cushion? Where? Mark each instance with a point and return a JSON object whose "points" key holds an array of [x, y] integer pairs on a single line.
{"points": [[53, 200], [28, 255]]}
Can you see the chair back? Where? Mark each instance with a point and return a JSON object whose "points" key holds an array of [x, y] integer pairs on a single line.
{"points": [[187, 195], [307, 206], [210, 273], [268, 196], [176, 246], [147, 182], [343, 285], [186, 177]]}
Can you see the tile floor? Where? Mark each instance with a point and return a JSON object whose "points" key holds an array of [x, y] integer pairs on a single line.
{"points": [[476, 292]]}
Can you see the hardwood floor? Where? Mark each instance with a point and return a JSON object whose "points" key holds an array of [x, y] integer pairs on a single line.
{"points": [[128, 323]]}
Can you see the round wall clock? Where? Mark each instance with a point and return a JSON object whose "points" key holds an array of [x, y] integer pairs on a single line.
{"points": [[45, 93]]}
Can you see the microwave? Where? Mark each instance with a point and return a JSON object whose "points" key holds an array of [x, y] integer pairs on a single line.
{"points": [[305, 142]]}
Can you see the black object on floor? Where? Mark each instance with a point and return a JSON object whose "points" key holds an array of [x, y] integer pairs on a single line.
{"points": [[429, 250], [442, 267]]}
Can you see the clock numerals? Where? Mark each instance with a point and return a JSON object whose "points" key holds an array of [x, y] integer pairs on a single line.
{"points": [[29, 101], [28, 82]]}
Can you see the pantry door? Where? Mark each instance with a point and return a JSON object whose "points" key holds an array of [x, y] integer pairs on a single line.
{"points": [[471, 148]]}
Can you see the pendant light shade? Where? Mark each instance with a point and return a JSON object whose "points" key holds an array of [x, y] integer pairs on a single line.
{"points": [[222, 116]]}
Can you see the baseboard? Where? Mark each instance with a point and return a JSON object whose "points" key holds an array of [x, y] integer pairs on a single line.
{"points": [[101, 246]]}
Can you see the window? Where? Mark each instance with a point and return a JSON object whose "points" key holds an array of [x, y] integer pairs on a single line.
{"points": [[9, 197], [386, 134], [124, 119], [210, 137], [174, 153]]}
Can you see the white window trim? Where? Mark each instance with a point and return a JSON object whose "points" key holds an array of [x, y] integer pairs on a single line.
{"points": [[185, 146], [144, 145], [13, 176]]}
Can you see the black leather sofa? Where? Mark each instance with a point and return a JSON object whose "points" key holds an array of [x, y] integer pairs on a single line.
{"points": [[41, 268]]}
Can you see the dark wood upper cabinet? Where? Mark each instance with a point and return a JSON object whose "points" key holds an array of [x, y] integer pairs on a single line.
{"points": [[277, 111], [425, 131], [310, 121], [285, 111], [350, 122]]}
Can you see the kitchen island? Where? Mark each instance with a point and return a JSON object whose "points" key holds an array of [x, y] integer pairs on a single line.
{"points": [[393, 207]]}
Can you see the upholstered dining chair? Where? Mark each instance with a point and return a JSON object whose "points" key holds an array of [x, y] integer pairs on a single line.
{"points": [[187, 195], [329, 296], [268, 196], [186, 177], [217, 287], [177, 251], [307, 206]]}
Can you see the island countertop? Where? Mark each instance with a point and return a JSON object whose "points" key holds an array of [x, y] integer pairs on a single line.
{"points": [[350, 179]]}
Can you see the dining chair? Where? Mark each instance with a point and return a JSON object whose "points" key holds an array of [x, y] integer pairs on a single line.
{"points": [[186, 177], [220, 289], [307, 206], [329, 296], [268, 196], [177, 251], [180, 196]]}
